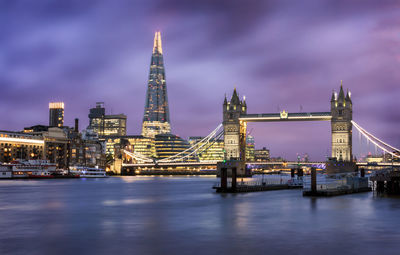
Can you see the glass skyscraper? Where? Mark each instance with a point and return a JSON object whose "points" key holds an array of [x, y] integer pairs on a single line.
{"points": [[156, 113]]}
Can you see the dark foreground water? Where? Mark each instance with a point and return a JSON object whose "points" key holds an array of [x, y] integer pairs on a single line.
{"points": [[182, 215]]}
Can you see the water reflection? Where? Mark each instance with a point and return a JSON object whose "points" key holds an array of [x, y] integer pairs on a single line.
{"points": [[174, 215]]}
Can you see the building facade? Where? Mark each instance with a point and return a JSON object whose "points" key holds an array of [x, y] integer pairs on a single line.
{"points": [[56, 147], [51, 144], [144, 146], [19, 145], [250, 144], [106, 125], [261, 155], [168, 145], [213, 152], [56, 114], [85, 149], [135, 143], [156, 113]]}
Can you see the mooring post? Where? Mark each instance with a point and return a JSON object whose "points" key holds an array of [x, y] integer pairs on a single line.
{"points": [[313, 179], [224, 179], [292, 173], [299, 172], [380, 186], [234, 169], [362, 172], [389, 187]]}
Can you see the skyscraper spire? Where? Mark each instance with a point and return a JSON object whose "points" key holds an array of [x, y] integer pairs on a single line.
{"points": [[157, 48], [156, 111]]}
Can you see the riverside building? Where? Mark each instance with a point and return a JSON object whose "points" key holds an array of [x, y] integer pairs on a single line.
{"points": [[213, 152], [250, 148], [86, 149], [134, 143], [106, 125], [261, 155], [19, 145], [52, 145], [168, 145]]}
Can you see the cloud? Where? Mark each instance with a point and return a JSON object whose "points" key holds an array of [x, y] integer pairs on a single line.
{"points": [[280, 54]]}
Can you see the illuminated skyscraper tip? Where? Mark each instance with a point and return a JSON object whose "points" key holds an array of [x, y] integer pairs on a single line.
{"points": [[157, 43], [156, 111]]}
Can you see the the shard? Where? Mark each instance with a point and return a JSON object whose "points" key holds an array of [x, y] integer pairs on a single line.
{"points": [[156, 112]]}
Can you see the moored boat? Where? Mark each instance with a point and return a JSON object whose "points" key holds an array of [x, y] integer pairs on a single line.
{"points": [[5, 172], [88, 172], [27, 169]]}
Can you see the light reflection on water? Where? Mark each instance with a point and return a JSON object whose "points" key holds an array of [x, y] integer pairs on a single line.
{"points": [[179, 215]]}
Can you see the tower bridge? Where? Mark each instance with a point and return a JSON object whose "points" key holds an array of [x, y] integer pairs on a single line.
{"points": [[235, 119], [234, 130]]}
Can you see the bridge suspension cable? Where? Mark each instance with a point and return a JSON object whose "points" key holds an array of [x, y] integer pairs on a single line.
{"points": [[377, 142], [193, 148], [138, 156], [195, 152], [209, 140]]}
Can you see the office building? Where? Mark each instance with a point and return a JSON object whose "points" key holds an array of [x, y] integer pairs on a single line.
{"points": [[211, 152], [250, 148], [106, 125], [144, 146], [261, 155], [168, 145], [56, 114]]}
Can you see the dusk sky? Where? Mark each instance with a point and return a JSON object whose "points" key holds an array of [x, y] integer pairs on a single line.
{"points": [[279, 54]]}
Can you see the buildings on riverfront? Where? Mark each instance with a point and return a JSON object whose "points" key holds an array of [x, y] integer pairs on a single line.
{"points": [[56, 143], [101, 143]]}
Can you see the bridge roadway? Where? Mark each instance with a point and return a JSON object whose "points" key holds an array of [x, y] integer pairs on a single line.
{"points": [[284, 116], [214, 162]]}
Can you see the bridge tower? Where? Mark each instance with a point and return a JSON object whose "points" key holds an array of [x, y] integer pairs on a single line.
{"points": [[234, 129], [342, 115]]}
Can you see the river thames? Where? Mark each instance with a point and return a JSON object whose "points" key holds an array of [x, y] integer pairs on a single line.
{"points": [[183, 215]]}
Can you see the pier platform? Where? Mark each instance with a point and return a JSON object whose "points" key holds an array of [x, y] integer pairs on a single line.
{"points": [[335, 192], [255, 188]]}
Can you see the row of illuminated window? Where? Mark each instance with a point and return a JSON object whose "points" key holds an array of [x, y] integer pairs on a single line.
{"points": [[8, 145]]}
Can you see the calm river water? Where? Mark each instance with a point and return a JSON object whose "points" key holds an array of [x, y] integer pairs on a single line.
{"points": [[183, 215]]}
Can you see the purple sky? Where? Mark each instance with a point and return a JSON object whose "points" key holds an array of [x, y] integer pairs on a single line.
{"points": [[279, 54]]}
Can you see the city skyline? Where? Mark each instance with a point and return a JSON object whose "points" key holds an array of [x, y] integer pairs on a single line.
{"points": [[281, 61]]}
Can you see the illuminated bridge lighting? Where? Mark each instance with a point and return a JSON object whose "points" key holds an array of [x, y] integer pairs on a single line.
{"points": [[377, 142]]}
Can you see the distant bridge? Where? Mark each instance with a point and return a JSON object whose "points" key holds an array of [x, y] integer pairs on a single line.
{"points": [[234, 131], [285, 163]]}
